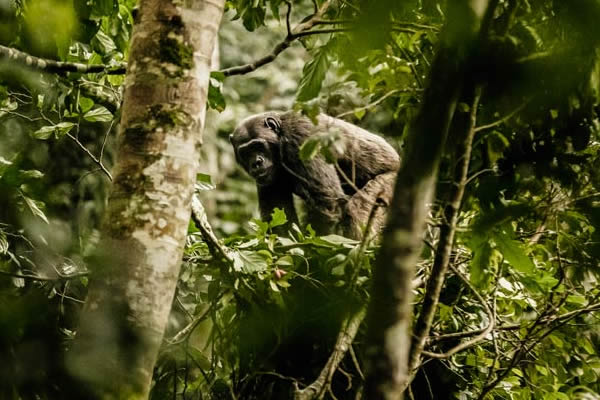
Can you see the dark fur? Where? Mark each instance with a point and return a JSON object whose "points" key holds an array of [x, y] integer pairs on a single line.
{"points": [[332, 202]]}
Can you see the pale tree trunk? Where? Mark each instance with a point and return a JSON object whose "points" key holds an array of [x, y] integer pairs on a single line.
{"points": [[390, 310], [144, 229]]}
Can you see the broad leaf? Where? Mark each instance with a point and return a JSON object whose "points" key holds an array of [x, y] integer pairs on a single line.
{"points": [[98, 114], [44, 132], [249, 261], [514, 253], [278, 218], [313, 75]]}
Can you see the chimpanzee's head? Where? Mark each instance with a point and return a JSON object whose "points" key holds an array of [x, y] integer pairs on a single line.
{"points": [[256, 145]]}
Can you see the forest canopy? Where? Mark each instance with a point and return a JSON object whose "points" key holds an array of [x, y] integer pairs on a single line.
{"points": [[134, 262]]}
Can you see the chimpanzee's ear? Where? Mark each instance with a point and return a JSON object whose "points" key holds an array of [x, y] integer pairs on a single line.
{"points": [[273, 123]]}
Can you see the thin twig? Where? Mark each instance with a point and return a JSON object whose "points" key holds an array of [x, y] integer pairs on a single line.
{"points": [[92, 156], [189, 328], [346, 178], [524, 349], [471, 342], [112, 122], [483, 171], [376, 102], [411, 63], [320, 32], [501, 120]]}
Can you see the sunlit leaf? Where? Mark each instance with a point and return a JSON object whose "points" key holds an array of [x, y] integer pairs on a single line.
{"points": [[3, 243], [216, 100], [98, 114], [63, 128], [44, 132], [204, 182], [34, 207], [514, 253], [278, 218]]}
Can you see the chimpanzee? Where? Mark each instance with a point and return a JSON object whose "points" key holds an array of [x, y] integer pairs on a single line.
{"points": [[338, 198]]}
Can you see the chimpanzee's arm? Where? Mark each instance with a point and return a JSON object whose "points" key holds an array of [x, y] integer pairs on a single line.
{"points": [[316, 182], [277, 196]]}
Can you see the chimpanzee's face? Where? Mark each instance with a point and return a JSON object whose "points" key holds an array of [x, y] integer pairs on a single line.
{"points": [[257, 159], [255, 143]]}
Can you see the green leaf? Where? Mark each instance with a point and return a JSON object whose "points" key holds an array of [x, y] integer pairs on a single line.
{"points": [[496, 144], [3, 243], [98, 114], [313, 75], [102, 43], [44, 132], [204, 182], [576, 300], [85, 104], [278, 218], [63, 128], [480, 263], [360, 113], [273, 286], [249, 261], [339, 240], [514, 253], [310, 148], [216, 100], [556, 341], [30, 174], [34, 207], [285, 261], [102, 8], [274, 5], [253, 15], [218, 75], [59, 130]]}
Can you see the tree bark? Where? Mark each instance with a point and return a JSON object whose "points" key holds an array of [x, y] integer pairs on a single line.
{"points": [[390, 310], [144, 230]]}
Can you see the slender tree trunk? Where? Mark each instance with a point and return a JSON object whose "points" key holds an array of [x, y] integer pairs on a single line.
{"points": [[390, 311], [143, 234]]}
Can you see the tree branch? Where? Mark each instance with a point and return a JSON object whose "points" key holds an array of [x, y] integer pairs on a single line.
{"points": [[59, 66], [318, 388], [44, 278], [447, 232], [201, 222], [300, 30], [524, 348], [481, 335]]}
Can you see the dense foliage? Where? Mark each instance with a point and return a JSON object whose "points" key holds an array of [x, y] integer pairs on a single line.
{"points": [[257, 314]]}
